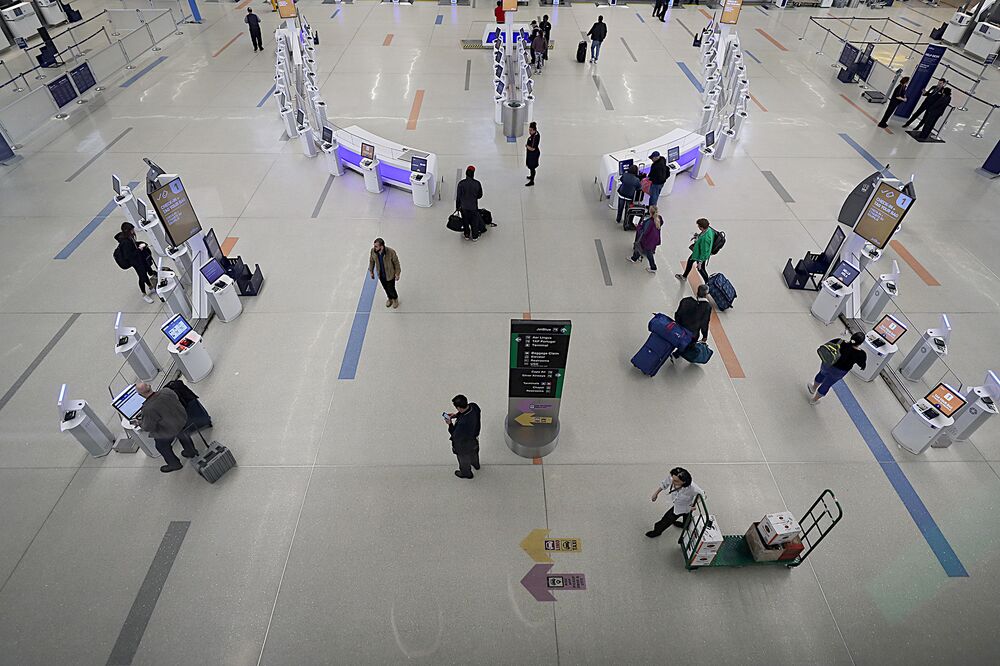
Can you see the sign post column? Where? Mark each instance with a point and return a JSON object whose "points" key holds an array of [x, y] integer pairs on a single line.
{"points": [[538, 354]]}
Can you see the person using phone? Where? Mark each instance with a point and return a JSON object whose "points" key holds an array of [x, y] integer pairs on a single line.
{"points": [[463, 426]]}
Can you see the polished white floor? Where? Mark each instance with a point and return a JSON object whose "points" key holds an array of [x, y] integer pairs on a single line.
{"points": [[343, 537]]}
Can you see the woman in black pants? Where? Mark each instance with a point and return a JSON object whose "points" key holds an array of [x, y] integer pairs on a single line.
{"points": [[138, 257], [531, 159]]}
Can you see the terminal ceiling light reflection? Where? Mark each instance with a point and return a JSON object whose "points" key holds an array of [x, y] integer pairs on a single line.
{"points": [[378, 79]]}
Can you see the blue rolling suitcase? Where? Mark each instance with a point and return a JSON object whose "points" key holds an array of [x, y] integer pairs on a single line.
{"points": [[653, 354], [721, 290], [669, 330]]}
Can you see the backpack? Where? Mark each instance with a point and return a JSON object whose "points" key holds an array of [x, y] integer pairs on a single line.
{"points": [[120, 259], [718, 241], [829, 352]]}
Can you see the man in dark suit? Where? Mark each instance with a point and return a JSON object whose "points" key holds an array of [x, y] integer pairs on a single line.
{"points": [[463, 426], [934, 111], [930, 96], [897, 98]]}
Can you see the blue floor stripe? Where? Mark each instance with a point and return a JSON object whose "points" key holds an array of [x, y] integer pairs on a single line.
{"points": [[91, 227], [335, 13], [691, 77], [639, 16], [267, 96], [902, 18], [918, 511], [439, 19], [864, 153], [352, 354], [143, 72], [753, 56]]}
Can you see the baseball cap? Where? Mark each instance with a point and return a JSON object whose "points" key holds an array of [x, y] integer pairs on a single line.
{"points": [[654, 155]]}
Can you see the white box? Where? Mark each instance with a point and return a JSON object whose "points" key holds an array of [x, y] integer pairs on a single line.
{"points": [[711, 540], [703, 559], [777, 528]]}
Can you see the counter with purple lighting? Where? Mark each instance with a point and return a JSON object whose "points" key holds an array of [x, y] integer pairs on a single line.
{"points": [[683, 142], [394, 158]]}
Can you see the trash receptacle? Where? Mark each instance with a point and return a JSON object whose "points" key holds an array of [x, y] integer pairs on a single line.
{"points": [[514, 115]]}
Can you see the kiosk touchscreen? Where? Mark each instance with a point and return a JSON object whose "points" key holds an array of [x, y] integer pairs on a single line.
{"points": [[116, 184], [300, 117], [530, 85], [128, 403], [212, 245], [212, 270], [890, 329], [673, 154], [500, 87], [945, 399], [498, 56], [418, 164], [624, 165], [846, 272], [327, 134], [140, 206], [732, 121], [176, 328], [367, 151], [710, 139]]}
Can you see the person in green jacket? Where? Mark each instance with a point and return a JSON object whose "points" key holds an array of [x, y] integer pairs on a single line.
{"points": [[701, 250]]}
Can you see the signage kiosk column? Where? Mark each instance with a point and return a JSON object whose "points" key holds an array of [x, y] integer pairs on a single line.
{"points": [[980, 406], [331, 152], [881, 293], [370, 168], [538, 354], [78, 419], [834, 293], [129, 342], [189, 348], [927, 419], [880, 346], [932, 343], [221, 291]]}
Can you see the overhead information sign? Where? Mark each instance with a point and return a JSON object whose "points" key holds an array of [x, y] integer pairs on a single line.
{"points": [[731, 11]]}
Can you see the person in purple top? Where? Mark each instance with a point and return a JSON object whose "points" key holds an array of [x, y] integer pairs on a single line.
{"points": [[647, 239]]}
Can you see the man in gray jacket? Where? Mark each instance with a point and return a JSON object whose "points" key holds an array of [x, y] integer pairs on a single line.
{"points": [[164, 417]]}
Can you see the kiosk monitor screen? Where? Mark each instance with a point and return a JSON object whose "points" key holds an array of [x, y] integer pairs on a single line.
{"points": [[500, 87], [176, 328], [418, 164], [300, 117], [128, 402], [530, 86], [498, 70], [140, 207], [367, 151], [710, 139], [174, 208], [732, 121], [890, 328], [327, 134], [116, 184], [498, 56], [212, 245], [624, 165], [212, 270], [846, 272], [945, 399], [833, 247], [883, 214], [674, 154]]}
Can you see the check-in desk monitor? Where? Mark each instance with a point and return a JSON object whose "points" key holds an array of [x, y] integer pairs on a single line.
{"points": [[890, 329], [367, 151], [140, 206], [710, 139], [498, 56], [846, 272], [212, 270], [500, 87], [212, 245], [945, 399], [176, 328], [327, 134], [300, 117], [128, 403], [116, 184], [418, 164], [673, 154]]}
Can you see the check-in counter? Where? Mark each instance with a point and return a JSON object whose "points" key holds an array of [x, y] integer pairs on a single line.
{"points": [[395, 159], [686, 143]]}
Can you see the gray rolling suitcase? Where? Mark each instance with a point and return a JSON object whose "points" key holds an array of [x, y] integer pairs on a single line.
{"points": [[215, 462]]}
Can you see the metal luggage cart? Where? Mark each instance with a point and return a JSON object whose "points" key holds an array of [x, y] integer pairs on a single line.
{"points": [[816, 523]]}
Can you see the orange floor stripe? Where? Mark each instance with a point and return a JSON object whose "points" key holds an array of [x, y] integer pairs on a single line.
{"points": [[708, 179], [757, 102], [705, 14], [227, 245], [718, 333], [418, 99], [228, 44], [772, 39], [243, 4], [387, 40], [536, 461], [912, 262], [867, 115], [526, 315]]}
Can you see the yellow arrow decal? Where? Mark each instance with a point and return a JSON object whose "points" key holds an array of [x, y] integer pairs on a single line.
{"points": [[525, 419], [534, 546]]}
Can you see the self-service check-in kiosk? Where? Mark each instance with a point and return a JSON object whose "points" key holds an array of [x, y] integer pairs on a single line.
{"points": [[370, 169], [880, 294], [331, 152], [169, 289], [78, 419], [932, 344], [306, 138], [927, 419], [221, 291], [420, 183], [984, 40], [957, 26], [980, 406], [129, 343], [288, 118], [126, 201], [673, 169], [705, 153], [880, 346], [128, 404], [189, 349], [834, 294], [151, 226]]}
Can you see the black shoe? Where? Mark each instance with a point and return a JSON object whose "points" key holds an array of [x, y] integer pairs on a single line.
{"points": [[192, 454], [882, 125], [462, 476], [530, 183], [475, 467], [652, 534], [170, 468]]}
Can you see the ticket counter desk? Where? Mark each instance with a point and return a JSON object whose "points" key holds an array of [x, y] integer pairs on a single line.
{"points": [[394, 159], [687, 146]]}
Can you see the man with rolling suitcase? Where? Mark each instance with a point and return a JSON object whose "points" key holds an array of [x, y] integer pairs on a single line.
{"points": [[665, 336], [628, 190], [165, 419], [467, 197], [597, 33]]}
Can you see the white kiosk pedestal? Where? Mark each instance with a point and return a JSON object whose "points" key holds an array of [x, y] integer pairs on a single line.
{"points": [[421, 189], [916, 430], [307, 140], [700, 169], [331, 155], [142, 438], [288, 118], [157, 235], [498, 101], [129, 207], [668, 184], [727, 138], [707, 116], [741, 117], [919, 359], [173, 293], [223, 298], [80, 421], [877, 299], [139, 356], [830, 301], [710, 84], [372, 174], [194, 362], [979, 408], [879, 353]]}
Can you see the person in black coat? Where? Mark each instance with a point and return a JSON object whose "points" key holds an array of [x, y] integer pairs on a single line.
{"points": [[463, 426], [695, 314], [897, 98], [546, 28], [531, 158], [253, 21], [934, 111], [929, 97], [467, 196], [138, 256]]}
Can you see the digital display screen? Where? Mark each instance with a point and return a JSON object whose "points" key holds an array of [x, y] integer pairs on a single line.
{"points": [[890, 328], [674, 154], [731, 11], [62, 91], [883, 215], [732, 121], [500, 87], [176, 328], [327, 134], [498, 70], [300, 117], [836, 240], [116, 184], [624, 165], [212, 270], [174, 208], [498, 56], [845, 272], [140, 207], [367, 151], [418, 164], [945, 399], [128, 402], [710, 139], [83, 78], [212, 245], [849, 55]]}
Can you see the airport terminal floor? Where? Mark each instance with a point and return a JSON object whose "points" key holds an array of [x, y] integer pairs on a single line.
{"points": [[343, 536]]}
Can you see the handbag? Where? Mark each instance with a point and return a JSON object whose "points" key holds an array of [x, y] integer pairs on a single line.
{"points": [[455, 221], [829, 352], [645, 184]]}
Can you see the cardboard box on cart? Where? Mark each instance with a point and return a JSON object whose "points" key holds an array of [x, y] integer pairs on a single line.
{"points": [[778, 528], [761, 552]]}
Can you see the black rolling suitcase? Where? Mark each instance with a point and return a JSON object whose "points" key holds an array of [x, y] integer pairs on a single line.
{"points": [[633, 216], [581, 52], [215, 462]]}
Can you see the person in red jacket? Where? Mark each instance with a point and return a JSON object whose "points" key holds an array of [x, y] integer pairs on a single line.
{"points": [[498, 12]]}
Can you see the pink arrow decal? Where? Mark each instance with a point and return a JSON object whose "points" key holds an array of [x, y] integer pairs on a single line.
{"points": [[539, 582]]}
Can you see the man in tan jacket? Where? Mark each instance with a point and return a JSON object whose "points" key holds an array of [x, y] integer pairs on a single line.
{"points": [[385, 259]]}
